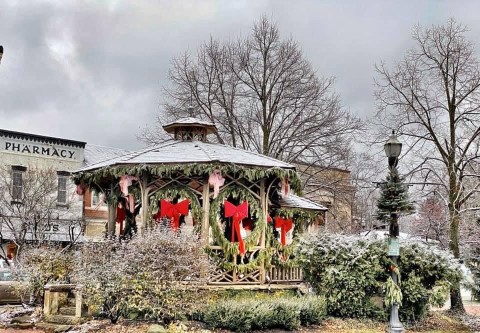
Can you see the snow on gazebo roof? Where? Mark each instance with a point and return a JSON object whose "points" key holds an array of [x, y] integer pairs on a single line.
{"points": [[293, 201], [188, 152]]}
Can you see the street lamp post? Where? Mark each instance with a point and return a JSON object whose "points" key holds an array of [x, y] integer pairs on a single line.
{"points": [[1, 53], [393, 148]]}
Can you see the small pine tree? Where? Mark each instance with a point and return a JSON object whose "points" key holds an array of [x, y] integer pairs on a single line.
{"points": [[393, 198]]}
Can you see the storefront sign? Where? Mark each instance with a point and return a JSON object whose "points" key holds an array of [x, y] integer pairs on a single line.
{"points": [[25, 147]]}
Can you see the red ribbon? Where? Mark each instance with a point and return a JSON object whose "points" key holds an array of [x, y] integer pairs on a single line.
{"points": [[238, 213], [174, 211], [120, 217], [285, 226]]}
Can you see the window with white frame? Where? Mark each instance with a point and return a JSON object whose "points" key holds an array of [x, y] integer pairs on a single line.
{"points": [[97, 199], [17, 182], [62, 187]]}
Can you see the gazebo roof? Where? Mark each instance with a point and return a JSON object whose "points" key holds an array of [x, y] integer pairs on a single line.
{"points": [[293, 201], [188, 152]]}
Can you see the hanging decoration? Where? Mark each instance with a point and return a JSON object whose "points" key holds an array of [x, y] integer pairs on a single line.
{"points": [[285, 187], [131, 203], [174, 211], [80, 190], [120, 216], [125, 182], [216, 180], [285, 225], [237, 213]]}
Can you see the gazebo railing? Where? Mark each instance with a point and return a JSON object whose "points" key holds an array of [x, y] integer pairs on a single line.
{"points": [[292, 274], [256, 276]]}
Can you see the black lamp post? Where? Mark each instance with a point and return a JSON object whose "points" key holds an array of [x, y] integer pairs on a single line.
{"points": [[1, 53], [393, 148]]}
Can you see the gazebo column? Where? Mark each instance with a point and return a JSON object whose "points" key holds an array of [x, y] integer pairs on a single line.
{"points": [[111, 219], [264, 206], [144, 191], [204, 233], [112, 212], [206, 214]]}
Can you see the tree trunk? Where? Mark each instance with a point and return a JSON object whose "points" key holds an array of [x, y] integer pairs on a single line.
{"points": [[455, 295]]}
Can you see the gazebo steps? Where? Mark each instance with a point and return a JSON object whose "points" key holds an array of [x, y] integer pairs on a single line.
{"points": [[53, 328], [64, 319]]}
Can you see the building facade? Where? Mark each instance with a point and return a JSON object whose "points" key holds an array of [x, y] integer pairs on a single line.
{"points": [[38, 200], [332, 188]]}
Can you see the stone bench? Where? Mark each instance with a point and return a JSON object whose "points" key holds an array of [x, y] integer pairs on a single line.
{"points": [[52, 298]]}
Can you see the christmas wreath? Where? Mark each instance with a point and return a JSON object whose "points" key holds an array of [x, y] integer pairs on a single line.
{"points": [[173, 191], [242, 195]]}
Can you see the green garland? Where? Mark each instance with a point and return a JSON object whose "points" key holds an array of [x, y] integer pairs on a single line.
{"points": [[241, 194], [302, 217], [170, 192], [191, 169]]}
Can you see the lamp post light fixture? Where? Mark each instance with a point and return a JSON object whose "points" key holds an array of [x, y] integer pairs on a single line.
{"points": [[393, 148]]}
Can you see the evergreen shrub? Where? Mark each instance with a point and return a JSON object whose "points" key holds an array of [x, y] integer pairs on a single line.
{"points": [[244, 315], [473, 264], [350, 271]]}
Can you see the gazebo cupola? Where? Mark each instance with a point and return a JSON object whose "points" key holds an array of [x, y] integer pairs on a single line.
{"points": [[190, 129]]}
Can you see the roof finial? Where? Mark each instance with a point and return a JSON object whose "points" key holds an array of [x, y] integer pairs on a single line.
{"points": [[190, 107]]}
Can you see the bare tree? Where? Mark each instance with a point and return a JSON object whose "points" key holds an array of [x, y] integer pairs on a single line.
{"points": [[365, 169], [29, 211], [432, 98], [431, 223], [263, 95]]}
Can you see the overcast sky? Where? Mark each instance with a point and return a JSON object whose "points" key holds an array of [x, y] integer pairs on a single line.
{"points": [[94, 70]]}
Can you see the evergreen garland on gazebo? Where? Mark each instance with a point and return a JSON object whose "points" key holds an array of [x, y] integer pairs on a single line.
{"points": [[393, 198]]}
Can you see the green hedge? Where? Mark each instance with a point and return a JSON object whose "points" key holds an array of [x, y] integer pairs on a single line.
{"points": [[244, 315], [351, 271]]}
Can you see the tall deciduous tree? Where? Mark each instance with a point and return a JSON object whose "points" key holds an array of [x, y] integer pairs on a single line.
{"points": [[432, 98], [263, 95]]}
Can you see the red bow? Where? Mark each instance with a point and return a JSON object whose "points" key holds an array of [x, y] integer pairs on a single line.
{"points": [[238, 213], [174, 211], [285, 225]]}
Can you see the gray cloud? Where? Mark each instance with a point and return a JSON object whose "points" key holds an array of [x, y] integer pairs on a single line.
{"points": [[93, 70]]}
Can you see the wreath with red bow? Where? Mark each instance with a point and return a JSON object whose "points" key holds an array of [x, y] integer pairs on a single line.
{"points": [[245, 198], [167, 194]]}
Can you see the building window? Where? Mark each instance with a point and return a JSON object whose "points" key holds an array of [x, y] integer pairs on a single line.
{"points": [[97, 200], [62, 187], [17, 183]]}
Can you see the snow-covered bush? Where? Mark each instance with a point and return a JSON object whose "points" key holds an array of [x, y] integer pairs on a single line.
{"points": [[352, 271], [153, 276], [40, 264], [473, 280]]}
